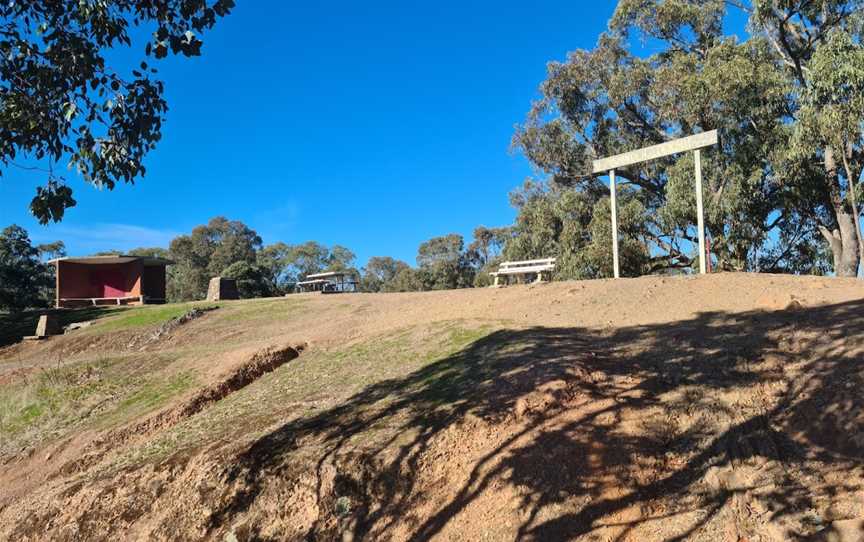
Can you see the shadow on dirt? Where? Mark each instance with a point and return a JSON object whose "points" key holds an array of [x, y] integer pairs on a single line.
{"points": [[804, 365], [15, 326]]}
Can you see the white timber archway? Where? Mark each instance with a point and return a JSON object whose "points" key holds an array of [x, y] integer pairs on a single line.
{"points": [[693, 143]]}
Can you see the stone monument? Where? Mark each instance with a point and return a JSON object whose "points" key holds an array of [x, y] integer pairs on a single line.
{"points": [[222, 288]]}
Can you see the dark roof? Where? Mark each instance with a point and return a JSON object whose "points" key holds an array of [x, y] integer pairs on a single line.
{"points": [[96, 260], [331, 274]]}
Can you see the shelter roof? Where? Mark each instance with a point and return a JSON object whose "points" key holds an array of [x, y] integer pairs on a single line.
{"points": [[120, 258], [330, 274]]}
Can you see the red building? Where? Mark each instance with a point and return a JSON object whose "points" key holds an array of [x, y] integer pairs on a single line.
{"points": [[113, 280]]}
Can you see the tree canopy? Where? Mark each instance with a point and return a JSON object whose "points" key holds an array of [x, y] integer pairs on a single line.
{"points": [[230, 248], [781, 190], [24, 279], [443, 263], [252, 279], [380, 274], [206, 253], [61, 100], [787, 103]]}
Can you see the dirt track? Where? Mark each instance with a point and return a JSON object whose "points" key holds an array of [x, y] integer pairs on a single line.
{"points": [[725, 407]]}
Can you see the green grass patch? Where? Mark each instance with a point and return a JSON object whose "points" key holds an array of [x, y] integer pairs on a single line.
{"points": [[149, 316], [97, 394], [111, 318], [152, 395], [50, 394]]}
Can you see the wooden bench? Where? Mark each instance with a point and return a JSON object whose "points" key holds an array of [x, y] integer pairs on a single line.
{"points": [[72, 302], [540, 268]]}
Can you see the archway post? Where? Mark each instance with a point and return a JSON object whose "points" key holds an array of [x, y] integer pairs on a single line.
{"points": [[616, 270], [691, 143]]}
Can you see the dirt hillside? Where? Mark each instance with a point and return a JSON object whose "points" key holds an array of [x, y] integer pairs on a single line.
{"points": [[724, 407]]}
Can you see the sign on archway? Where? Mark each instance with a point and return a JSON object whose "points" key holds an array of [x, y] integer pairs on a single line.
{"points": [[691, 143]]}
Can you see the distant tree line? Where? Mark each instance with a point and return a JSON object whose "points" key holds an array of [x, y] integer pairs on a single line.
{"points": [[230, 248], [442, 263], [26, 280], [782, 191]]}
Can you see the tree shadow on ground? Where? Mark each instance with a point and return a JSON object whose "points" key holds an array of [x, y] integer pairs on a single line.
{"points": [[15, 326], [592, 426]]}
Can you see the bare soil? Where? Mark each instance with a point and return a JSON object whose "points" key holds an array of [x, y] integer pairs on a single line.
{"points": [[724, 407]]}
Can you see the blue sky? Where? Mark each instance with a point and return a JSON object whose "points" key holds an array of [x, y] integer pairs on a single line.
{"points": [[372, 125]]}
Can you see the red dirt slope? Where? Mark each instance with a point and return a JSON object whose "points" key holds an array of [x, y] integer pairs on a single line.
{"points": [[725, 407]]}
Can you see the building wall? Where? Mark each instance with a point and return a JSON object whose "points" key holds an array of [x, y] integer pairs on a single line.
{"points": [[134, 278], [75, 280], [154, 282]]}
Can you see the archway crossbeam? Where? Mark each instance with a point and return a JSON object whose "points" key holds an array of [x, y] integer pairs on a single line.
{"points": [[690, 143]]}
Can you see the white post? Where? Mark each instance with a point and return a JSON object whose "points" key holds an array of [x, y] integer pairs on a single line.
{"points": [[614, 205], [700, 218]]}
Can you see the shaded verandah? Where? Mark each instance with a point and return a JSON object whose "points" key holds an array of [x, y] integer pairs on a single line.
{"points": [[99, 280]]}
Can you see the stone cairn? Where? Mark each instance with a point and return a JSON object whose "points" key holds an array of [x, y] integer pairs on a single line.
{"points": [[221, 288]]}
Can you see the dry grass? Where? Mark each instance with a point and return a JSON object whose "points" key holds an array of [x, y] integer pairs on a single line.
{"points": [[316, 381], [95, 394]]}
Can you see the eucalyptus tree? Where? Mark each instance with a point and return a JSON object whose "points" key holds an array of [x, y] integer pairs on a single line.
{"points": [[341, 259], [817, 47], [827, 152], [24, 278], [207, 252], [573, 225], [275, 259], [775, 188], [380, 273], [488, 244], [443, 263], [60, 99]]}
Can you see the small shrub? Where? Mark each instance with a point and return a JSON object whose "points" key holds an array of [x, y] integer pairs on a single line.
{"points": [[342, 506]]}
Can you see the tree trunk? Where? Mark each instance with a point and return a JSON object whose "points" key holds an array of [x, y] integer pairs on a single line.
{"points": [[844, 239], [853, 202], [844, 245]]}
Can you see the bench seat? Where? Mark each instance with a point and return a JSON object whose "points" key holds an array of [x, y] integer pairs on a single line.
{"points": [[522, 270], [72, 302], [526, 267]]}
